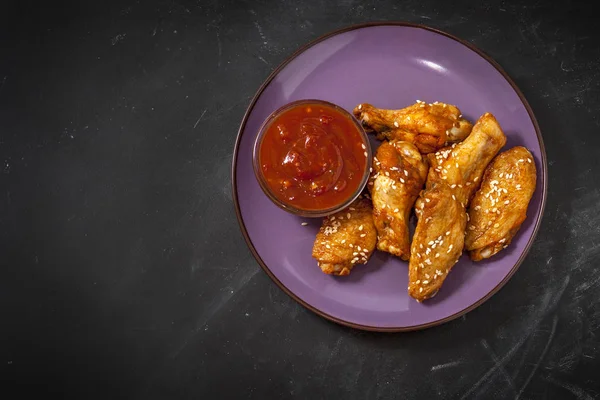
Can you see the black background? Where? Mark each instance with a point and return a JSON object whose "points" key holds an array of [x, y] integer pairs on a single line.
{"points": [[124, 273]]}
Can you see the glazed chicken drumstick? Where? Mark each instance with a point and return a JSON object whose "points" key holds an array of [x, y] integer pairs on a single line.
{"points": [[428, 126], [399, 173], [499, 207], [346, 238], [451, 182]]}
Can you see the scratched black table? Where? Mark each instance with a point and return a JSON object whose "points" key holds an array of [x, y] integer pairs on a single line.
{"points": [[124, 272]]}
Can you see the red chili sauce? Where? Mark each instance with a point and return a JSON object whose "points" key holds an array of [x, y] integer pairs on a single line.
{"points": [[313, 157]]}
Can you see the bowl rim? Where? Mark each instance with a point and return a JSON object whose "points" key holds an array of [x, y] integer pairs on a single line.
{"points": [[472, 47], [309, 213]]}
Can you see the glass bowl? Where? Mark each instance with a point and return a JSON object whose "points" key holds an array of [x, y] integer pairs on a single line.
{"points": [[287, 206]]}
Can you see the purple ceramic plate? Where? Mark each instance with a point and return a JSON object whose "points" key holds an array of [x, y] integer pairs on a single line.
{"points": [[389, 65]]}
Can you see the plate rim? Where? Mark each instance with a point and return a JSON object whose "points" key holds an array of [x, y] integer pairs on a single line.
{"points": [[317, 311]]}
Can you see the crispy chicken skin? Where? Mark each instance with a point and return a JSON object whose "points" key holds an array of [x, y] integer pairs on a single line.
{"points": [[499, 207], [453, 177], [346, 238], [438, 241], [428, 126], [399, 173]]}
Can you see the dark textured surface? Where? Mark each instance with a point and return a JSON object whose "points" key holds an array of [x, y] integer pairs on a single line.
{"points": [[124, 273]]}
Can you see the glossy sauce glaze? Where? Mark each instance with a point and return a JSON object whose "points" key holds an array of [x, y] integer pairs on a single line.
{"points": [[313, 157]]}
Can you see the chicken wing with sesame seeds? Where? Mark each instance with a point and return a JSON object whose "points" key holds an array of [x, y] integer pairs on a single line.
{"points": [[399, 173], [452, 180], [438, 241], [500, 205], [346, 238], [427, 126]]}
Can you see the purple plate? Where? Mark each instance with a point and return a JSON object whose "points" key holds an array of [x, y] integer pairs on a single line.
{"points": [[389, 65]]}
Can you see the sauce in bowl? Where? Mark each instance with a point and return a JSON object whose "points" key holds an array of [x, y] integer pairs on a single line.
{"points": [[312, 156]]}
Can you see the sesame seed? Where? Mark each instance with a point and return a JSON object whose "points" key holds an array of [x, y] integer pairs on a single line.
{"points": [[476, 179], [448, 233], [348, 215], [456, 164], [417, 282], [355, 254], [496, 225], [370, 183], [387, 173], [520, 160], [363, 146], [360, 228], [405, 173], [468, 183], [363, 235], [396, 124], [489, 222], [471, 227], [428, 261], [304, 223], [453, 197], [518, 187], [502, 241], [365, 153], [358, 247], [506, 202], [401, 180], [360, 106], [396, 210], [505, 191], [420, 289], [420, 245], [328, 246], [529, 160], [477, 208], [425, 282], [430, 242], [427, 200], [343, 241], [437, 255], [427, 251], [453, 186]]}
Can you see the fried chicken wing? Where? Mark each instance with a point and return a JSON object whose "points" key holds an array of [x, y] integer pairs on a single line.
{"points": [[346, 238], [399, 173], [427, 126], [451, 182], [438, 241], [500, 205]]}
